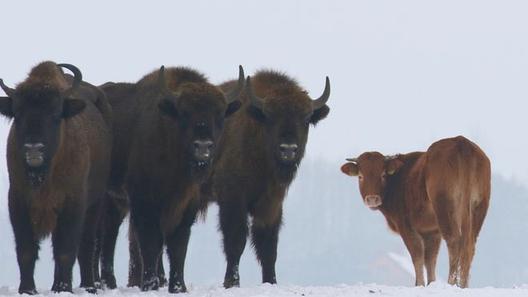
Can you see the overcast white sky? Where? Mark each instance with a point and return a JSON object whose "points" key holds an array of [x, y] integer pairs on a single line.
{"points": [[403, 73]]}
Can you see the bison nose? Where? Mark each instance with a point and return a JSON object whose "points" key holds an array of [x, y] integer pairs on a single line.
{"points": [[202, 149], [373, 201], [34, 154], [288, 151]]}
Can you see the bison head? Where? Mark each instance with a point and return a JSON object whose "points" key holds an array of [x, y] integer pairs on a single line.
{"points": [[286, 113], [373, 171], [198, 110], [38, 109]]}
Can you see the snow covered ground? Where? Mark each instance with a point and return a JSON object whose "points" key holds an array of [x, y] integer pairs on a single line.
{"points": [[435, 290]]}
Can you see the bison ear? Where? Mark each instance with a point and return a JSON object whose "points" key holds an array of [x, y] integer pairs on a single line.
{"points": [[393, 166], [6, 107], [319, 114], [232, 108], [350, 169], [72, 107], [167, 107]]}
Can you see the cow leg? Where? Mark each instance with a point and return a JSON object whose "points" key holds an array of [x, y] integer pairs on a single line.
{"points": [[177, 243], [113, 218], [432, 246], [145, 219], [65, 241], [234, 226], [26, 245], [450, 230], [265, 240], [86, 255], [415, 245], [135, 264]]}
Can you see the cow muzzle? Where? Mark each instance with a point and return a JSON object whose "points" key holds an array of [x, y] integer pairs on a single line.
{"points": [[34, 154], [203, 150], [373, 201], [288, 152]]}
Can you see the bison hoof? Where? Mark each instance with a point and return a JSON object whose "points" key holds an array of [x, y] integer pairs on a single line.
{"points": [[150, 285], [61, 287], [110, 283], [229, 283], [162, 281], [91, 290], [28, 291], [178, 288]]}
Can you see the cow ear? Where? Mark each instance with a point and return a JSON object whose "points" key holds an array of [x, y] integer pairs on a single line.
{"points": [[167, 107], [319, 114], [72, 107], [6, 107], [350, 169], [232, 108], [393, 166], [256, 113]]}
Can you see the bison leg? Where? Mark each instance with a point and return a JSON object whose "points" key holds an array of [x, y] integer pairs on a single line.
{"points": [[177, 244], [415, 245], [147, 232], [26, 246], [161, 272], [113, 218], [87, 247], [234, 226], [265, 239], [65, 241], [135, 264], [432, 246]]}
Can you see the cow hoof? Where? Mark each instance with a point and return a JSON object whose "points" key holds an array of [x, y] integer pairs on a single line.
{"points": [[27, 291]]}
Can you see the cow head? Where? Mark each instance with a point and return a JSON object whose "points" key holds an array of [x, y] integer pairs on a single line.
{"points": [[287, 115], [373, 171], [198, 110], [38, 109]]}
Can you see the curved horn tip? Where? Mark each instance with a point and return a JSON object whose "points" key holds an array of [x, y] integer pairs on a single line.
{"points": [[351, 159], [162, 68]]}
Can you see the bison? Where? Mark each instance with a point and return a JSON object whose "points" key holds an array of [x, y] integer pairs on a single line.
{"points": [[58, 156], [167, 128], [262, 147], [427, 196]]}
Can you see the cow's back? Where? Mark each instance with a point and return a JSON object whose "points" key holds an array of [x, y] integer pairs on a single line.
{"points": [[457, 170]]}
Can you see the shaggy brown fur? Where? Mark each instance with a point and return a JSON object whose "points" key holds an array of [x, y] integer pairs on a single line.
{"points": [[249, 177], [442, 193], [156, 162], [63, 194]]}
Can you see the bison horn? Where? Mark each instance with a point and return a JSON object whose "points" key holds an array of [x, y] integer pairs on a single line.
{"points": [[321, 101], [162, 83], [233, 94], [77, 76], [353, 160], [255, 100], [9, 91]]}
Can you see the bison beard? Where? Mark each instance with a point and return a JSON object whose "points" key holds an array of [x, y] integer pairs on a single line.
{"points": [[253, 171]]}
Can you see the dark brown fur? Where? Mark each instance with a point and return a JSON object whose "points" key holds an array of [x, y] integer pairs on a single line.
{"points": [[68, 194], [442, 193], [156, 165], [248, 179]]}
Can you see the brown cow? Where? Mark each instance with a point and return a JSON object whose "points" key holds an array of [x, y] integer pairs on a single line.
{"points": [[58, 156], [426, 196]]}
